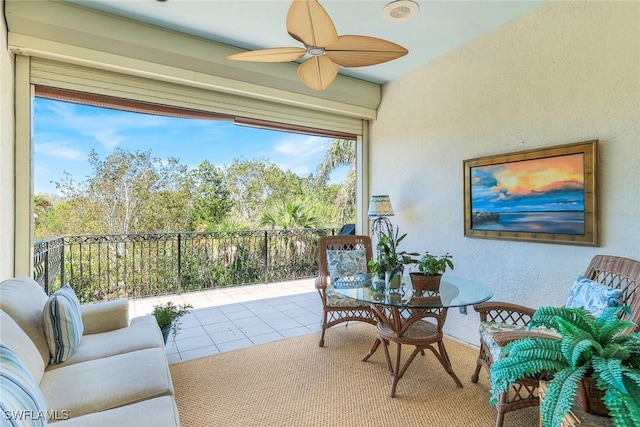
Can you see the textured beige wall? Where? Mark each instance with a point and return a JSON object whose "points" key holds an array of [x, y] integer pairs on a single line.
{"points": [[6, 154], [566, 72]]}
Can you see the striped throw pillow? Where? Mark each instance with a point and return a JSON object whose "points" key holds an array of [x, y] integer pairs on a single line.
{"points": [[21, 401], [62, 324]]}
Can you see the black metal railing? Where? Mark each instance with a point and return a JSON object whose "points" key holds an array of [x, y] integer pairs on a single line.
{"points": [[101, 267]]}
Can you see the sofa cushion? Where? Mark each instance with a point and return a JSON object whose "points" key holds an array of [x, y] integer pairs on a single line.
{"points": [[23, 299], [21, 401], [592, 296], [141, 334], [15, 338], [62, 324], [107, 383], [105, 316], [335, 299], [156, 412]]}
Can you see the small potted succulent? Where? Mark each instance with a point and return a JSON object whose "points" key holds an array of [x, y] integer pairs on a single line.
{"points": [[168, 316], [430, 271]]}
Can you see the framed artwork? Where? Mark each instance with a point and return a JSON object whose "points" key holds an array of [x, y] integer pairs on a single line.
{"points": [[546, 195]]}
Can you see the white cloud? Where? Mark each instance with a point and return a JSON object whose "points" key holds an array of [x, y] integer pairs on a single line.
{"points": [[300, 154], [108, 138], [58, 150], [108, 127], [301, 145]]}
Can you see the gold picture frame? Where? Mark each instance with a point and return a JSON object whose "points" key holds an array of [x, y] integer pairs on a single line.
{"points": [[546, 195]]}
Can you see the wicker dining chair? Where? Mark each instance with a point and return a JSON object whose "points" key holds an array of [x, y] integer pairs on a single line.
{"points": [[501, 322], [335, 307]]}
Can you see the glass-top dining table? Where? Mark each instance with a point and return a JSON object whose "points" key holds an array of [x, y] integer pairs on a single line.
{"points": [[408, 317]]}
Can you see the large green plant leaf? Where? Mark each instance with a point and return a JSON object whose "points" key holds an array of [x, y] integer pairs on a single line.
{"points": [[609, 371], [624, 408], [561, 392], [582, 351], [578, 317], [586, 345], [526, 357]]}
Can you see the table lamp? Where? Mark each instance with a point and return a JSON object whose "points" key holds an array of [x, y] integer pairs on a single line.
{"points": [[380, 209]]}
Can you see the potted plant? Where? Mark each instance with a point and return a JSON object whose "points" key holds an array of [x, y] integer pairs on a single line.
{"points": [[588, 348], [168, 316], [430, 271], [390, 262]]}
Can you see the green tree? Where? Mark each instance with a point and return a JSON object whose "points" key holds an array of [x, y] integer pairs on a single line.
{"points": [[341, 152], [44, 216], [211, 202], [255, 186], [289, 215], [172, 203], [129, 192]]}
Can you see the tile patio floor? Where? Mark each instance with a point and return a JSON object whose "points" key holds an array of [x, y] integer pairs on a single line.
{"points": [[232, 318]]}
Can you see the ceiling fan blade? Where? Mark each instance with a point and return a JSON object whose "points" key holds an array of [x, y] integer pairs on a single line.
{"points": [[360, 51], [278, 54], [310, 24], [318, 72]]}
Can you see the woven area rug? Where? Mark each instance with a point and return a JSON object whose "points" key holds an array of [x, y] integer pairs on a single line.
{"points": [[294, 382]]}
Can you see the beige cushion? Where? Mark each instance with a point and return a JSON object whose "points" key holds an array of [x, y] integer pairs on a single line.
{"points": [[23, 299], [16, 339], [141, 334], [105, 316], [157, 412], [111, 382]]}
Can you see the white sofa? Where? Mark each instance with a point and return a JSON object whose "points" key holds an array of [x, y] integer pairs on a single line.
{"points": [[118, 376]]}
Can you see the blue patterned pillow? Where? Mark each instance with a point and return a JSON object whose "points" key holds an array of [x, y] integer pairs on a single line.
{"points": [[62, 324], [592, 296], [347, 266], [21, 401]]}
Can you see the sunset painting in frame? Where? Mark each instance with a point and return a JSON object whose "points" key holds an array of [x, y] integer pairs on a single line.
{"points": [[543, 195]]}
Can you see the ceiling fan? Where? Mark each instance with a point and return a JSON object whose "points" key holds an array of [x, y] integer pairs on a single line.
{"points": [[309, 23]]}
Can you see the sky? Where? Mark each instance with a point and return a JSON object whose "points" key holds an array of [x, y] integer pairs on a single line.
{"points": [[64, 134], [548, 184]]}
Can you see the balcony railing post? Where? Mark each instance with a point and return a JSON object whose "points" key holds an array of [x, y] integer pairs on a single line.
{"points": [[62, 283], [266, 257], [179, 263], [47, 284]]}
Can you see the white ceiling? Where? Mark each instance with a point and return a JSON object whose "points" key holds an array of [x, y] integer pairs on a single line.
{"points": [[439, 27]]}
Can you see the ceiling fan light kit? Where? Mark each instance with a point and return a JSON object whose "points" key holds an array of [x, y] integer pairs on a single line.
{"points": [[310, 24], [400, 10]]}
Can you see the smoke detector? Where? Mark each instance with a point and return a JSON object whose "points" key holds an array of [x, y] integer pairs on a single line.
{"points": [[400, 11]]}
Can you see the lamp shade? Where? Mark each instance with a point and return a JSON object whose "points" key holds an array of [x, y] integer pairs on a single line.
{"points": [[380, 205]]}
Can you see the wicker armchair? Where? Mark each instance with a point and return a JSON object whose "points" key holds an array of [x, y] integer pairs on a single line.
{"points": [[503, 322], [335, 307]]}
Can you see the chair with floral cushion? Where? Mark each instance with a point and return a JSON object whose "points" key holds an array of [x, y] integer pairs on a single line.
{"points": [[608, 281], [342, 262]]}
